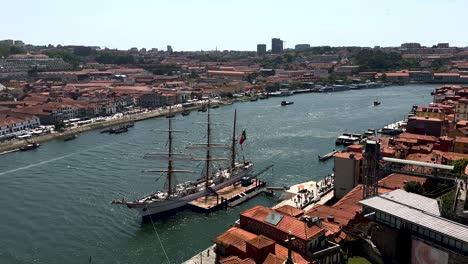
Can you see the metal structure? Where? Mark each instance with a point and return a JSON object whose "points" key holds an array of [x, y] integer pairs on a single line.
{"points": [[375, 167], [371, 168]]}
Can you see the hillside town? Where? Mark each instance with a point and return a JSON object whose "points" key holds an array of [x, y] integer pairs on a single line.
{"points": [[396, 197], [47, 85]]}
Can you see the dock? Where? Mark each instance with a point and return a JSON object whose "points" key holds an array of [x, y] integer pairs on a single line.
{"points": [[231, 195], [327, 156], [305, 195]]}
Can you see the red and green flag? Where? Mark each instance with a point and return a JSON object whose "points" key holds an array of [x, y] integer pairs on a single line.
{"points": [[242, 138]]}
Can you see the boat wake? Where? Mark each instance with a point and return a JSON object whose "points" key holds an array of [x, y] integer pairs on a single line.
{"points": [[48, 161]]}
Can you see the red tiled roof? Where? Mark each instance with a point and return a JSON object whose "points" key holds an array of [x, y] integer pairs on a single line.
{"points": [[461, 140], [261, 241], [324, 211], [346, 155], [235, 237], [290, 210], [273, 259], [397, 181], [287, 224], [418, 136], [282, 252]]}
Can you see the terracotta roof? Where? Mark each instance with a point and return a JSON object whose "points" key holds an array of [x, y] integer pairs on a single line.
{"points": [[350, 201], [324, 211], [461, 140], [397, 181], [236, 260], [346, 155], [261, 241], [451, 155], [273, 259], [235, 237], [287, 224], [418, 136], [290, 210], [282, 252]]}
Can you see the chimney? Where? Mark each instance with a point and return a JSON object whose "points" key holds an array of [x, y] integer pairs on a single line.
{"points": [[331, 218]]}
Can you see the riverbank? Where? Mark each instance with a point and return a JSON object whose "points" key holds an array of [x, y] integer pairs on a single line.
{"points": [[13, 145]]}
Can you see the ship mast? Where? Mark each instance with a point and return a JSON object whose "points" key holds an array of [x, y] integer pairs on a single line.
{"points": [[208, 152], [233, 147], [169, 163]]}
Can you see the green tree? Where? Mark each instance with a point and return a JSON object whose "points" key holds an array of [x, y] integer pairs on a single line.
{"points": [[59, 125], [459, 166], [414, 187]]}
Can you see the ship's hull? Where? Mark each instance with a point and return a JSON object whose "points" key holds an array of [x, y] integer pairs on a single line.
{"points": [[177, 203]]}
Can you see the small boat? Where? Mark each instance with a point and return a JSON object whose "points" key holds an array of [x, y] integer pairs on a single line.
{"points": [[376, 103], [30, 146], [131, 124], [348, 139], [263, 97], [185, 113], [283, 103], [203, 109], [370, 132], [253, 99], [71, 137], [120, 130], [214, 106], [107, 130], [327, 156]]}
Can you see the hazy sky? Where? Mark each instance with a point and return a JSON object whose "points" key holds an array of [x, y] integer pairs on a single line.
{"points": [[234, 24]]}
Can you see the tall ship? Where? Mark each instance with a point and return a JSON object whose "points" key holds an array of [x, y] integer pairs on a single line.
{"points": [[178, 195]]}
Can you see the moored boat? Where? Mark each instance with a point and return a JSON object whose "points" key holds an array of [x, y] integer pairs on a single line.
{"points": [[284, 103], [327, 156], [30, 146], [177, 196], [71, 137]]}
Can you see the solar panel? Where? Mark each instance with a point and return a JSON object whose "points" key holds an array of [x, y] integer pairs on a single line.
{"points": [[273, 218]]}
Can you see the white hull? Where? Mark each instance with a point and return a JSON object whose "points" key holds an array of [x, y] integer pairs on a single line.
{"points": [[172, 204]]}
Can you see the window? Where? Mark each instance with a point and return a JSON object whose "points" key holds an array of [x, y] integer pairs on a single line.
{"points": [[452, 242], [438, 237]]}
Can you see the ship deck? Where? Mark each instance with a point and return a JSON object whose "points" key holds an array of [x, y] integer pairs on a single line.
{"points": [[226, 195]]}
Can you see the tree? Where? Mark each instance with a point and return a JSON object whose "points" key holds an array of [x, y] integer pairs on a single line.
{"points": [[459, 166], [413, 187], [383, 77], [252, 77], [59, 125]]}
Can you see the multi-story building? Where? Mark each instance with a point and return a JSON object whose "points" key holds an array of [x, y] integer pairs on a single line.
{"points": [[461, 145], [261, 49], [25, 62], [461, 110], [430, 112], [13, 123], [348, 172], [411, 45], [276, 45]]}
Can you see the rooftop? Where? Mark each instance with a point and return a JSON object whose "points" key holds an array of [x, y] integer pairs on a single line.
{"points": [[285, 224], [413, 212]]}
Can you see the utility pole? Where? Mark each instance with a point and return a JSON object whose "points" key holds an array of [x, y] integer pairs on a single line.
{"points": [[289, 240]]}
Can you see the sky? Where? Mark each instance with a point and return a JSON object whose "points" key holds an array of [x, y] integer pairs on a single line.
{"points": [[234, 24]]}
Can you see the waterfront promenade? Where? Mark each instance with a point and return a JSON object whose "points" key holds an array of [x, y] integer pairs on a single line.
{"points": [[12, 145]]}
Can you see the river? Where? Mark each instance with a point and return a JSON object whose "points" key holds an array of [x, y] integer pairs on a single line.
{"points": [[55, 200]]}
